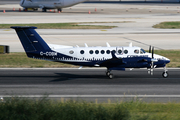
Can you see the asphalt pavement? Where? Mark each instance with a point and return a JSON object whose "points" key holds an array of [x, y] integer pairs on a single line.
{"points": [[91, 84]]}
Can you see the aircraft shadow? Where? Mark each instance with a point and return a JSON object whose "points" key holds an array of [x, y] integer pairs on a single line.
{"points": [[67, 12], [67, 78]]}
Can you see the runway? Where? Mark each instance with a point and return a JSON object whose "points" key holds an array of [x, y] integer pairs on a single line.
{"points": [[91, 84]]}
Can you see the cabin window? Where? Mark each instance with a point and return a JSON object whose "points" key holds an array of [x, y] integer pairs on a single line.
{"points": [[102, 51], [82, 51], [108, 51], [97, 51], [126, 51], [91, 51], [119, 51], [136, 51], [142, 51], [71, 52]]}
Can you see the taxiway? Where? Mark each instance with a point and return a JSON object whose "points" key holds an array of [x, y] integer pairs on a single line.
{"points": [[134, 24]]}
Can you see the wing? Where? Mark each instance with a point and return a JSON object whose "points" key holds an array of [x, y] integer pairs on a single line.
{"points": [[113, 62]]}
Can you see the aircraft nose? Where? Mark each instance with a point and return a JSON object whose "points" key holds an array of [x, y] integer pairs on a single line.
{"points": [[166, 60]]}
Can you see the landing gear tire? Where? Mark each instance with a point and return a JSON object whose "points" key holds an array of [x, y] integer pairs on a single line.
{"points": [[44, 10], [111, 76], [35, 9], [60, 9], [25, 9], [165, 74], [107, 74]]}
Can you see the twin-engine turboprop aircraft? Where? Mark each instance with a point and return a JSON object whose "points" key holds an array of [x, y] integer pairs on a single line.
{"points": [[113, 58], [48, 4]]}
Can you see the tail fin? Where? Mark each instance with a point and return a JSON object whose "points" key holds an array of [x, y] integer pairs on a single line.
{"points": [[30, 39]]}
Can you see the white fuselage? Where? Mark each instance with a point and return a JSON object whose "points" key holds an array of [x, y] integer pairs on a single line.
{"points": [[85, 54], [49, 4]]}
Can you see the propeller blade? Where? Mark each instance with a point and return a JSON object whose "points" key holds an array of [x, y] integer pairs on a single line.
{"points": [[150, 49], [152, 68], [152, 52]]}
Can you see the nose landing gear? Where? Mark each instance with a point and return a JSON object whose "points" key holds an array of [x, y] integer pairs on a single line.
{"points": [[165, 73]]}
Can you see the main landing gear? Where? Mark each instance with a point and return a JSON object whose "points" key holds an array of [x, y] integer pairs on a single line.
{"points": [[109, 74], [44, 10], [59, 10]]}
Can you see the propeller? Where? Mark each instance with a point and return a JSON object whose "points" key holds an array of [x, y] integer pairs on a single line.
{"points": [[152, 60]]}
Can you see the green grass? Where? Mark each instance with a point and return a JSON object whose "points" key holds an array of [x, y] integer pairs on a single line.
{"points": [[168, 25], [20, 60], [173, 55], [58, 26], [45, 109]]}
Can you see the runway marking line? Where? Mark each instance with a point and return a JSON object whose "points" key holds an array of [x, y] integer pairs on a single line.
{"points": [[70, 68], [94, 96]]}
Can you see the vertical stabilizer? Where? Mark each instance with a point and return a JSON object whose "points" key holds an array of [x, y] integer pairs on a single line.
{"points": [[30, 39]]}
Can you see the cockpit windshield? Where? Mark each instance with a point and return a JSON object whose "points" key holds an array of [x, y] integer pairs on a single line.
{"points": [[142, 51]]}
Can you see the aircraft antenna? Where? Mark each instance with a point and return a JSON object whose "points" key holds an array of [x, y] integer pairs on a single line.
{"points": [[85, 45], [141, 43], [130, 44], [108, 44]]}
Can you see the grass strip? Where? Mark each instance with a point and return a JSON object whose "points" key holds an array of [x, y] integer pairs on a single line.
{"points": [[20, 60], [58, 26], [45, 109], [173, 55], [168, 25]]}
